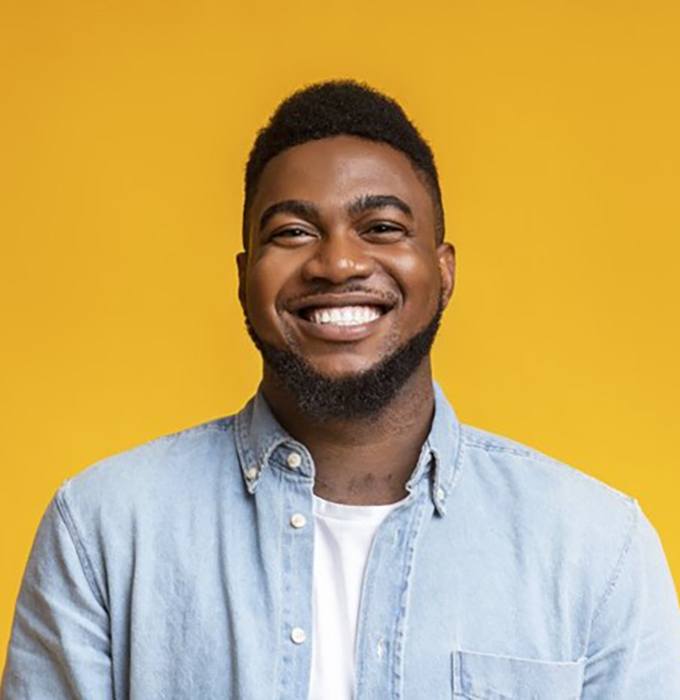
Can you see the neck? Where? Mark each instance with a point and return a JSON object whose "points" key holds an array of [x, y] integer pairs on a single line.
{"points": [[367, 460]]}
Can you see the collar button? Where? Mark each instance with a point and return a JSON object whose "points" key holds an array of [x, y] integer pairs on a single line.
{"points": [[294, 460]]}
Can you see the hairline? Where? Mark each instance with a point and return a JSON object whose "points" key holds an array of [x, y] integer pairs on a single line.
{"points": [[428, 181]]}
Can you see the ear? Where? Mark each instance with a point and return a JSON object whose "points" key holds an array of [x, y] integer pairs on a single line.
{"points": [[242, 266], [446, 256]]}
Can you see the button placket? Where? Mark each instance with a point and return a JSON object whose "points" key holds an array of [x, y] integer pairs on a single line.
{"points": [[297, 564], [388, 574]]}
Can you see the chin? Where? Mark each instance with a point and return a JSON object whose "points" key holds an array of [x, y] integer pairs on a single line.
{"points": [[341, 370]]}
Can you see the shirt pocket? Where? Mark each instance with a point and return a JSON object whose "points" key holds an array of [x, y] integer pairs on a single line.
{"points": [[479, 676]]}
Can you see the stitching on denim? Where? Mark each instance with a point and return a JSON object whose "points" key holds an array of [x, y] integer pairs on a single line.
{"points": [[81, 552], [457, 470], [361, 632], [221, 424], [212, 428], [279, 616], [217, 425], [402, 619], [634, 519], [268, 451], [541, 458], [293, 478], [497, 447], [207, 429], [243, 450]]}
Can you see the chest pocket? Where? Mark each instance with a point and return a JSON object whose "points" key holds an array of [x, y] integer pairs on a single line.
{"points": [[490, 677]]}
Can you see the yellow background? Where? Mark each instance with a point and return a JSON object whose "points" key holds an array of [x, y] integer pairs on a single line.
{"points": [[124, 128]]}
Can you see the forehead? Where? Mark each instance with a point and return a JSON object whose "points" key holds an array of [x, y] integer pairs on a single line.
{"points": [[334, 170]]}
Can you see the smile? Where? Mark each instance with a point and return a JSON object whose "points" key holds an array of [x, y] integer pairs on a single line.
{"points": [[342, 315], [342, 318]]}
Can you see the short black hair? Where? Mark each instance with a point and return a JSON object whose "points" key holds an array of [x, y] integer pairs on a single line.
{"points": [[340, 107]]}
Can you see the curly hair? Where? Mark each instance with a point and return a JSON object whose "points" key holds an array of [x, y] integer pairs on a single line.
{"points": [[340, 107]]}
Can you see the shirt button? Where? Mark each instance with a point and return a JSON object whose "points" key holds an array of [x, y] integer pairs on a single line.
{"points": [[297, 634], [440, 494], [251, 473], [298, 520], [294, 460]]}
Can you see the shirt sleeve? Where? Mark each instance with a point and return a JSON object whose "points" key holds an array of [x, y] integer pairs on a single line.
{"points": [[60, 643], [634, 649]]}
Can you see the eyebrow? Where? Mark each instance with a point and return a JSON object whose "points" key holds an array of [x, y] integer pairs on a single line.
{"points": [[307, 210], [367, 202]]}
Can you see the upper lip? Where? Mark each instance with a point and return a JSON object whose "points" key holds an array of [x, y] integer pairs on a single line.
{"points": [[386, 301]]}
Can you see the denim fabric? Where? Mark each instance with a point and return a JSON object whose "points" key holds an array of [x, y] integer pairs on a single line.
{"points": [[173, 571]]}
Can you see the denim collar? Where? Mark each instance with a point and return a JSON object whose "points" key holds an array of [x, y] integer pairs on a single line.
{"points": [[259, 434]]}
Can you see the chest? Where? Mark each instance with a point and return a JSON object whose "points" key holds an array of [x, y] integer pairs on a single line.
{"points": [[221, 604]]}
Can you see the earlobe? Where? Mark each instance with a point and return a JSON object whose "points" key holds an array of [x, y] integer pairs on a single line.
{"points": [[446, 255]]}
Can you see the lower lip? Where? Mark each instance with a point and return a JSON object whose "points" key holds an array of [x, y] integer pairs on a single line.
{"points": [[337, 333]]}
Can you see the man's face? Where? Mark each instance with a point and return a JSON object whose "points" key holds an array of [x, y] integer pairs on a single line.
{"points": [[343, 266]]}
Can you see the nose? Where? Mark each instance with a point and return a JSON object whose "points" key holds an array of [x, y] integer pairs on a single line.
{"points": [[337, 258]]}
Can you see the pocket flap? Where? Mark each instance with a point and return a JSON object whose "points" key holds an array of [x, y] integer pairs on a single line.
{"points": [[493, 677]]}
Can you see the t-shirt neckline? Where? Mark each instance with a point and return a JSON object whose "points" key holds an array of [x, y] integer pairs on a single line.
{"points": [[345, 511]]}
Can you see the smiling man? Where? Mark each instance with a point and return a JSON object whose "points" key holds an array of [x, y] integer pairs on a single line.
{"points": [[344, 535]]}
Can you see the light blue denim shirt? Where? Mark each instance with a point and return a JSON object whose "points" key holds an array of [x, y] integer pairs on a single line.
{"points": [[173, 571]]}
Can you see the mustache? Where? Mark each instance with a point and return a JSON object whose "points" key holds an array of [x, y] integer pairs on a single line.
{"points": [[388, 296]]}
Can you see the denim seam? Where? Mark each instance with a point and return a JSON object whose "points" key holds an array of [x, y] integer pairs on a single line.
{"points": [[456, 471], [631, 530], [417, 520], [243, 450], [494, 447], [540, 458], [217, 425], [85, 563], [282, 639]]}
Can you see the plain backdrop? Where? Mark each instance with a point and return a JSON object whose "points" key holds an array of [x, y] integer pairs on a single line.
{"points": [[124, 129]]}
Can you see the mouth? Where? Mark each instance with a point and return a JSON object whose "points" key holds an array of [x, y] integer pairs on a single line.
{"points": [[339, 318], [354, 315]]}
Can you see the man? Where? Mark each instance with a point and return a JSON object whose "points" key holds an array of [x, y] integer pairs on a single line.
{"points": [[343, 535]]}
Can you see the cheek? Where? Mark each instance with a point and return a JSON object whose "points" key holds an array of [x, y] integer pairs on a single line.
{"points": [[263, 284], [267, 277], [419, 279]]}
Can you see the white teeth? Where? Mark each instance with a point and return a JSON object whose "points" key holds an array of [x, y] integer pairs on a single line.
{"points": [[344, 315]]}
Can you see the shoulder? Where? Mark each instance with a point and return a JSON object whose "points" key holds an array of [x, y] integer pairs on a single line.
{"points": [[557, 507], [153, 472], [536, 472], [152, 493]]}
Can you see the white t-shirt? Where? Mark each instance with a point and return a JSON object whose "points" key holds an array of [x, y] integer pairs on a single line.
{"points": [[342, 539]]}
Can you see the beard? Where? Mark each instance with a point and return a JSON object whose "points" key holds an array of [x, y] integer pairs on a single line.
{"points": [[359, 395]]}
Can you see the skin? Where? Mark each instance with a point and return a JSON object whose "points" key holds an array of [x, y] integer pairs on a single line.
{"points": [[327, 249]]}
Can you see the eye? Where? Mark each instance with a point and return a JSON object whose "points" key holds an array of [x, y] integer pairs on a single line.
{"points": [[290, 236], [385, 231]]}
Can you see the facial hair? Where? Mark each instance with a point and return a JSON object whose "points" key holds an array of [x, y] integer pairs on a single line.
{"points": [[360, 395]]}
